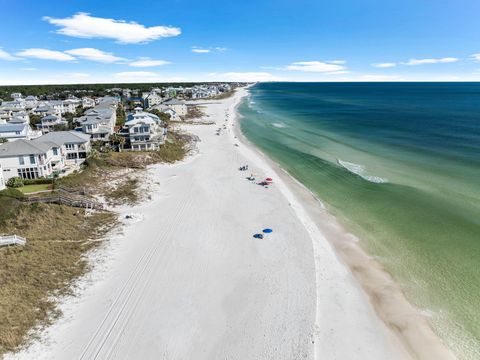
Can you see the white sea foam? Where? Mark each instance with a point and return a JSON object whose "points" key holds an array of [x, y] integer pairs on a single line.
{"points": [[279, 125], [361, 171]]}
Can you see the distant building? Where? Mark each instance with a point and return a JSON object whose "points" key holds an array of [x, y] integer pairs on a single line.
{"points": [[167, 110], [180, 107], [152, 99], [31, 102], [88, 102], [48, 123], [16, 96]]}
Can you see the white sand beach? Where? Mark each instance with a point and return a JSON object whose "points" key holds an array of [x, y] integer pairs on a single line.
{"points": [[187, 280]]}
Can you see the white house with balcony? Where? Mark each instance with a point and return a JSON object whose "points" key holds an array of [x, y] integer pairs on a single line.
{"points": [[76, 145], [31, 102], [99, 122], [31, 159], [47, 123], [88, 102], [145, 131]]}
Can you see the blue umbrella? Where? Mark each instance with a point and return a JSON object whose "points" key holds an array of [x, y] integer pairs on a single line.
{"points": [[267, 231]]}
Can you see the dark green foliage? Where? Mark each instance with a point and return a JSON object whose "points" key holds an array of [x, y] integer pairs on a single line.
{"points": [[15, 182]]}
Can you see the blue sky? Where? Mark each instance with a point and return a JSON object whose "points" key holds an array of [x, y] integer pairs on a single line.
{"points": [[180, 40]]}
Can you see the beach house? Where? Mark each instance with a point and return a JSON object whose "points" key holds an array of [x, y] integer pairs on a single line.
{"points": [[167, 110], [99, 122], [15, 131], [145, 131], [76, 145], [30, 159], [152, 99], [179, 106], [88, 102], [47, 123]]}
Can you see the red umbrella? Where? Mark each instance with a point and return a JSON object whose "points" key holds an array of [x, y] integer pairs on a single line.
{"points": [[268, 179]]}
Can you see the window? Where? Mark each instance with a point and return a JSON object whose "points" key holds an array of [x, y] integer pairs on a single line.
{"points": [[32, 159], [70, 146], [28, 173], [55, 151], [21, 160]]}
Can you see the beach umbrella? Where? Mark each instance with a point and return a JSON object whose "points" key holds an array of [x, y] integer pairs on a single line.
{"points": [[267, 231], [268, 179]]}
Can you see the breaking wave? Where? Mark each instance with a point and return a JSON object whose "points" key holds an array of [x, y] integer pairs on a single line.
{"points": [[360, 171], [279, 125]]}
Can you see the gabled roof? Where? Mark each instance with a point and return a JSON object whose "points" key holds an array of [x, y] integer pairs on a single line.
{"points": [[12, 127], [64, 137], [50, 117], [174, 102], [25, 147]]}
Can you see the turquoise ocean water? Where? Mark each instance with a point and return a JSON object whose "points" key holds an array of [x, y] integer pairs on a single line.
{"points": [[399, 165]]}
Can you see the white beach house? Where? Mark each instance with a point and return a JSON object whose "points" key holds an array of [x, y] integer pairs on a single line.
{"points": [[76, 145], [145, 131], [30, 159], [88, 102], [99, 122]]}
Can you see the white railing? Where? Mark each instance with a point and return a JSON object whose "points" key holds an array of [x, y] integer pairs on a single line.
{"points": [[12, 240]]}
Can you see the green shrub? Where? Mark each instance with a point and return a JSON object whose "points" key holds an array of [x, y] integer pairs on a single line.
{"points": [[15, 182], [37, 181]]}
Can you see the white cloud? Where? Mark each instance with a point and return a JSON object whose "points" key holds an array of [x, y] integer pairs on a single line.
{"points": [[475, 57], [83, 25], [245, 76], [6, 56], [146, 62], [45, 54], [315, 66], [385, 65], [381, 78], [94, 55], [29, 69], [200, 51], [339, 62], [431, 61]]}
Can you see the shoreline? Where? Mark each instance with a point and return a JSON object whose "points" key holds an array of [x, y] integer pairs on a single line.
{"points": [[403, 320], [185, 279]]}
